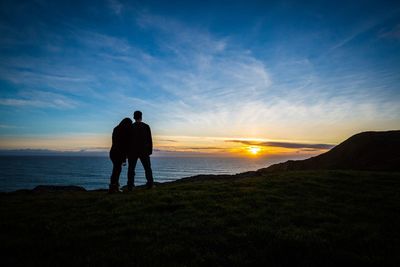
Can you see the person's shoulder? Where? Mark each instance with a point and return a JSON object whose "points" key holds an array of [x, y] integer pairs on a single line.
{"points": [[136, 126], [146, 126], [140, 125]]}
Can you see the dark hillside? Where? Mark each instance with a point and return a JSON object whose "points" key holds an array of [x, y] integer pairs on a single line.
{"points": [[377, 151]]}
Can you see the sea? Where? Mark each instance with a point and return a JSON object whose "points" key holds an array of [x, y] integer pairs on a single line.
{"points": [[27, 172]]}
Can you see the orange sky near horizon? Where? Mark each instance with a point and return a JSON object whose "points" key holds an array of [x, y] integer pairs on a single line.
{"points": [[170, 145]]}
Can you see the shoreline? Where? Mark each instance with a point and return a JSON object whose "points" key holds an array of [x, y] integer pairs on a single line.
{"points": [[77, 188]]}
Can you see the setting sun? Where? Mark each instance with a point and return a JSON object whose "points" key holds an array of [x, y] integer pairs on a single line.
{"points": [[254, 150]]}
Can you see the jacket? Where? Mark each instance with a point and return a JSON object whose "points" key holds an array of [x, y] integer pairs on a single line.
{"points": [[140, 140], [120, 144]]}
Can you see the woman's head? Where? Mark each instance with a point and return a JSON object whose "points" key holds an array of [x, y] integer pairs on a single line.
{"points": [[125, 122]]}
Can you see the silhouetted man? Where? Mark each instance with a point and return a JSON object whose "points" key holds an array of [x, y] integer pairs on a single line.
{"points": [[140, 147]]}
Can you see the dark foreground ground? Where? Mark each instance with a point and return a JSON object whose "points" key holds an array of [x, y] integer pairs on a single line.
{"points": [[321, 218]]}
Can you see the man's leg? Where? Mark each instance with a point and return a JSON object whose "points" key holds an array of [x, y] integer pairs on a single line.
{"points": [[147, 169], [131, 171]]}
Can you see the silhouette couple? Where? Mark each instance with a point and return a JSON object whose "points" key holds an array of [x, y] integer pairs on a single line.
{"points": [[132, 141]]}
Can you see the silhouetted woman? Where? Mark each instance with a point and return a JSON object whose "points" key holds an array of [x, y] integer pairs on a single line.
{"points": [[118, 152]]}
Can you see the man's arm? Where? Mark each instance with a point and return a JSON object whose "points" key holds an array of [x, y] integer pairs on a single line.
{"points": [[114, 137], [150, 141]]}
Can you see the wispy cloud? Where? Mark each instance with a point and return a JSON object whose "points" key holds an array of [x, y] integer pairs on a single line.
{"points": [[364, 26], [191, 80], [178, 35], [40, 99], [208, 77], [392, 33], [284, 144], [116, 6], [7, 126]]}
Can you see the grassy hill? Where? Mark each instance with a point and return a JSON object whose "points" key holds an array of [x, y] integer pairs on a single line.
{"points": [[305, 218]]}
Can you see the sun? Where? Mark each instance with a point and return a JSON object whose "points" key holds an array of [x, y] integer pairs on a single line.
{"points": [[254, 150]]}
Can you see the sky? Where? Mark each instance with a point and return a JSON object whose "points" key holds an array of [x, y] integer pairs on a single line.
{"points": [[211, 77]]}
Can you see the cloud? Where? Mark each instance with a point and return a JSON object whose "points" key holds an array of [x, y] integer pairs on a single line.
{"points": [[56, 103], [213, 90], [7, 126], [189, 81], [284, 144], [369, 24], [205, 79], [40, 99], [178, 36], [183, 148], [95, 40], [168, 140], [116, 6], [392, 33], [53, 74], [204, 148]]}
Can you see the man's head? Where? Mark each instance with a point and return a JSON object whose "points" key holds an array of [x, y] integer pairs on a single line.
{"points": [[137, 115]]}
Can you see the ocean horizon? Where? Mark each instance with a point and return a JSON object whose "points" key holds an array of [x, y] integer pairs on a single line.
{"points": [[93, 172]]}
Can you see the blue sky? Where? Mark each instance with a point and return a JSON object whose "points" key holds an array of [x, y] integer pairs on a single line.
{"points": [[202, 72]]}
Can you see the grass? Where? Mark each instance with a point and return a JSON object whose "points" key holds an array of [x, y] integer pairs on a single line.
{"points": [[307, 218]]}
